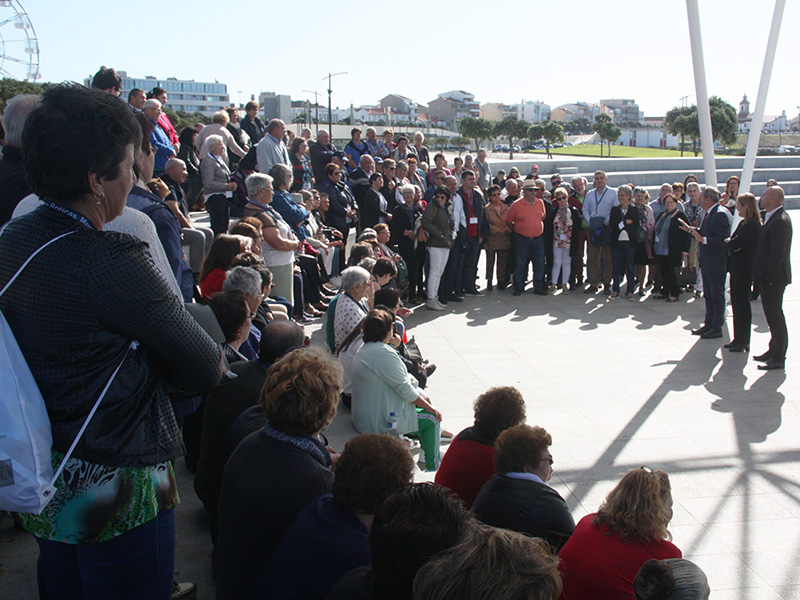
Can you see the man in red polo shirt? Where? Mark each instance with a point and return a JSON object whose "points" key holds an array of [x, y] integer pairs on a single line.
{"points": [[526, 218]]}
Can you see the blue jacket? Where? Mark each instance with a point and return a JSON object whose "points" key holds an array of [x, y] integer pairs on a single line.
{"points": [[169, 232], [292, 213], [164, 149]]}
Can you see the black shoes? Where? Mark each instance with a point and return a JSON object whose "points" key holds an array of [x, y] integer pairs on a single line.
{"points": [[540, 292], [763, 357], [518, 292], [772, 364], [701, 330], [739, 348], [711, 334], [454, 298]]}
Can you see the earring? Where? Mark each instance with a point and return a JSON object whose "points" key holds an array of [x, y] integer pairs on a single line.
{"points": [[100, 198]]}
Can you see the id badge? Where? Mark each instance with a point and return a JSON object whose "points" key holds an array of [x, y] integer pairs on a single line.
{"points": [[473, 220], [658, 239], [563, 237], [621, 226]]}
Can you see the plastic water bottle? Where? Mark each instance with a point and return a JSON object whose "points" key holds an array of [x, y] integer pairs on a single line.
{"points": [[391, 425]]}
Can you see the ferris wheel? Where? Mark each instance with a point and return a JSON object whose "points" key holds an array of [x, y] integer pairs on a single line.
{"points": [[19, 48]]}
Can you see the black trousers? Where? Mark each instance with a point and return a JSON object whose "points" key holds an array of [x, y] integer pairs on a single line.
{"points": [[772, 301], [740, 303]]}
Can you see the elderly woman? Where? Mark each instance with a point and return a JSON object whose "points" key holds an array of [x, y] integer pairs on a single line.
{"points": [[218, 126], [695, 215], [643, 254], [342, 207], [302, 176], [383, 389], [115, 499], [671, 247], [327, 249], [743, 245], [404, 225], [469, 461], [353, 303], [624, 222], [191, 157], [498, 245], [234, 318], [607, 548], [277, 470], [439, 228], [280, 243], [217, 185], [421, 151], [283, 203]]}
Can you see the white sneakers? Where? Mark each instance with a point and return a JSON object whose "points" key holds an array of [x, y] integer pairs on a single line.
{"points": [[434, 304]]}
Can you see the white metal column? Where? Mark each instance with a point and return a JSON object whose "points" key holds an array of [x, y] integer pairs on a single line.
{"points": [[761, 100], [703, 112]]}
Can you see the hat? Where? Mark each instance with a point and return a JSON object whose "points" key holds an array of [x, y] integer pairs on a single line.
{"points": [[529, 184], [340, 154], [378, 160]]}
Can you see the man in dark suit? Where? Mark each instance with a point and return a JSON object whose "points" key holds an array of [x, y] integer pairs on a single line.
{"points": [[518, 497], [713, 252], [773, 272]]}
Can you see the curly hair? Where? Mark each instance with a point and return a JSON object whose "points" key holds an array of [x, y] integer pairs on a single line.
{"points": [[491, 563], [372, 467], [301, 392], [639, 507], [497, 409], [520, 447]]}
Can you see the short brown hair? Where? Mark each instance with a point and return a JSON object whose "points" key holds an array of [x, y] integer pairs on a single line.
{"points": [[251, 105], [301, 392], [491, 563], [639, 507], [377, 325], [371, 468], [497, 409], [520, 447]]}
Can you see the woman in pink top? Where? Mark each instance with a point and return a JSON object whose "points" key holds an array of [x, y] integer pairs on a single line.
{"points": [[607, 549]]}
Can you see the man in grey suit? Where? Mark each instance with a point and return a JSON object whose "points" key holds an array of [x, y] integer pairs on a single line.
{"points": [[773, 272], [713, 253]]}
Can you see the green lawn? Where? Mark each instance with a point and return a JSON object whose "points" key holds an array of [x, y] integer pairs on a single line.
{"points": [[616, 151]]}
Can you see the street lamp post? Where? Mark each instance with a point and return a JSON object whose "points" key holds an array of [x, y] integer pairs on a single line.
{"points": [[316, 103], [330, 110]]}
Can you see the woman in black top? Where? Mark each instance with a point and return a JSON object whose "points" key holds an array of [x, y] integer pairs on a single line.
{"points": [[670, 246], [742, 246], [189, 155]]}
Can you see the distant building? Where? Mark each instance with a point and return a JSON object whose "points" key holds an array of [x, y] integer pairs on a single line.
{"points": [[450, 107], [533, 111], [569, 112], [624, 109], [276, 106], [497, 111], [771, 123], [187, 95], [403, 109]]}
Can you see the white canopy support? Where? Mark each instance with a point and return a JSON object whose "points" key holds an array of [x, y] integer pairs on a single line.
{"points": [[703, 111], [758, 116]]}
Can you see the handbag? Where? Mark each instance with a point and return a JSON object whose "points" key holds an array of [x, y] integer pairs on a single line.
{"points": [[422, 235], [687, 276], [27, 480], [402, 270], [599, 232], [640, 235]]}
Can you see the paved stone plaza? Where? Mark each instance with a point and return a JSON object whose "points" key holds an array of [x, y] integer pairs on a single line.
{"points": [[618, 384]]}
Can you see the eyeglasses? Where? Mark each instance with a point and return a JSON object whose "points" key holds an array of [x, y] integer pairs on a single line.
{"points": [[549, 459], [561, 197], [651, 472]]}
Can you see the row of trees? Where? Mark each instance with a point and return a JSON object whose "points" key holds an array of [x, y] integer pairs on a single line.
{"points": [[552, 132], [683, 121]]}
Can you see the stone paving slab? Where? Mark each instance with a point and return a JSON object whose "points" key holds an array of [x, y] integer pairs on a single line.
{"points": [[618, 384]]}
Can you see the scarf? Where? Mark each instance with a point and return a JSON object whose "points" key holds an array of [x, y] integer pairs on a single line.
{"points": [[309, 445]]}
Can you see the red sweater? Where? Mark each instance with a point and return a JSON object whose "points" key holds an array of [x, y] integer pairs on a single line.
{"points": [[212, 283], [466, 466], [596, 564]]}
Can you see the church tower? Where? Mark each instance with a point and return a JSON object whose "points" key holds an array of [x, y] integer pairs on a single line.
{"points": [[744, 108]]}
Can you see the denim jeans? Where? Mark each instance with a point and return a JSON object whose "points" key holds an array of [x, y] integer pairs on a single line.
{"points": [[525, 250], [452, 282], [471, 256], [622, 257], [137, 565]]}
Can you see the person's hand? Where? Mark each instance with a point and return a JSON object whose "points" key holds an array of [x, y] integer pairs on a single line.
{"points": [[403, 312], [388, 217], [436, 414], [395, 341], [684, 226], [334, 455], [232, 186], [409, 233], [396, 258], [337, 234], [391, 185]]}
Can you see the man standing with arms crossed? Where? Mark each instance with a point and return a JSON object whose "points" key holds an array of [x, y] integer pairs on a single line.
{"points": [[470, 221], [773, 272], [597, 205]]}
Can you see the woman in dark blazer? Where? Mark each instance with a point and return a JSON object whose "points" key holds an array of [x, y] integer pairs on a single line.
{"points": [[624, 222], [404, 235], [374, 208], [670, 245], [742, 246]]}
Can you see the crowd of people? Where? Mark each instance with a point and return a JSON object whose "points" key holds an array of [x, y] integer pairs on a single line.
{"points": [[207, 326]]}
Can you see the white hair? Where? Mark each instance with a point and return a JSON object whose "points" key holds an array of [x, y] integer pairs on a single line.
{"points": [[152, 103], [244, 279], [17, 110]]}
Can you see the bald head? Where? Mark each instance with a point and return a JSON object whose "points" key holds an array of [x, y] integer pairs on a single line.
{"points": [[278, 337], [772, 198]]}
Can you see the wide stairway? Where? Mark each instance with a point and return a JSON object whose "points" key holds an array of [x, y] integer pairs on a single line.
{"points": [[651, 173]]}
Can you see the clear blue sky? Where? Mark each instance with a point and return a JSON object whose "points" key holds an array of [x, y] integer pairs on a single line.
{"points": [[556, 52]]}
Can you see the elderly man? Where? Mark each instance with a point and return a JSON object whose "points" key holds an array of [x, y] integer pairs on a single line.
{"points": [[359, 178], [374, 145], [197, 238], [518, 497], [483, 171], [526, 219], [403, 151], [438, 181], [469, 215], [579, 187], [136, 100], [251, 124], [160, 94], [271, 150], [510, 192], [597, 212], [13, 183], [321, 153], [773, 272], [713, 254], [158, 139]]}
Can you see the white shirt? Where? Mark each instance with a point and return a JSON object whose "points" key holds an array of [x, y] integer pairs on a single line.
{"points": [[770, 213], [527, 476]]}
